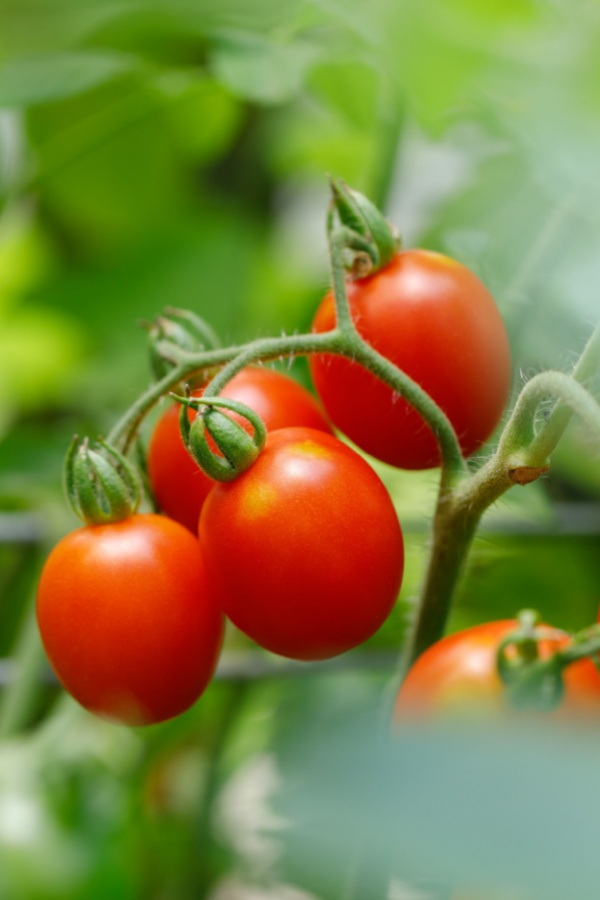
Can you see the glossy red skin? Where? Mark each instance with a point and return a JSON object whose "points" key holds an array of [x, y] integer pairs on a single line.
{"points": [[127, 619], [179, 485], [459, 673], [304, 550], [436, 321]]}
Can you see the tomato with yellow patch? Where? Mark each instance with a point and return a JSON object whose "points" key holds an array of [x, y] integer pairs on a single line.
{"points": [[304, 550]]}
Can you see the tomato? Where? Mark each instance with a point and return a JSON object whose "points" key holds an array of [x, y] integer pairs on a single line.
{"points": [[127, 619], [304, 550], [179, 485], [459, 673], [437, 322]]}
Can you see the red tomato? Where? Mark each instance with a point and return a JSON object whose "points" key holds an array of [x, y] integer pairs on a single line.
{"points": [[179, 485], [304, 550], [459, 673], [127, 619], [437, 322]]}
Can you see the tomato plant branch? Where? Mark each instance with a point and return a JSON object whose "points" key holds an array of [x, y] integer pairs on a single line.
{"points": [[357, 349], [522, 456], [266, 349], [586, 367], [533, 449], [190, 364], [232, 359], [453, 463], [584, 643], [337, 244], [453, 533]]}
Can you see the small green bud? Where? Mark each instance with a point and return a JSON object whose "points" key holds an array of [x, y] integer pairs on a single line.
{"points": [[101, 484], [370, 234], [177, 329], [236, 450]]}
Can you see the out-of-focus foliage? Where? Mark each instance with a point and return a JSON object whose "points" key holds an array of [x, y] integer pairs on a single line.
{"points": [[174, 152]]}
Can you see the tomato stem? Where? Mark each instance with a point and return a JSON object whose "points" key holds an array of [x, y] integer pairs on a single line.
{"points": [[356, 348], [345, 342], [585, 643], [231, 359]]}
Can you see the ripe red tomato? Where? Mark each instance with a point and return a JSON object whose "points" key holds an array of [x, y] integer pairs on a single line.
{"points": [[179, 485], [459, 673], [127, 619], [437, 322], [304, 550]]}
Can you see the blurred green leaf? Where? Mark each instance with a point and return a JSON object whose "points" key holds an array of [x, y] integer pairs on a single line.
{"points": [[36, 25], [40, 79], [265, 71], [205, 118], [481, 809], [109, 164]]}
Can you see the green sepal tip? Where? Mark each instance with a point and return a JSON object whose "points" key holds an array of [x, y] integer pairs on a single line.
{"points": [[368, 229], [176, 330], [236, 449], [531, 682], [101, 485]]}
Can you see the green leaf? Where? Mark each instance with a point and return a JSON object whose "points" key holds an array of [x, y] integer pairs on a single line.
{"points": [[34, 26], [508, 810], [41, 79], [262, 70]]}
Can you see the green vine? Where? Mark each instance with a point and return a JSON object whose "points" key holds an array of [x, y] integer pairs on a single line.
{"points": [[522, 453], [523, 450]]}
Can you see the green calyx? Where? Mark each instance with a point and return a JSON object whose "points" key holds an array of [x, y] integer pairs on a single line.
{"points": [[101, 485], [371, 240], [176, 330], [236, 450], [535, 683], [531, 682]]}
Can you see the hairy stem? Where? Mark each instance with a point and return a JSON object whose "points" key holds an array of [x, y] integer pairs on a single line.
{"points": [[521, 456], [356, 348], [232, 359], [550, 433]]}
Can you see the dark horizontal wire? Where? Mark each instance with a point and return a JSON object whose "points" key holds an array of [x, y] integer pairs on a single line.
{"points": [[253, 665], [568, 519]]}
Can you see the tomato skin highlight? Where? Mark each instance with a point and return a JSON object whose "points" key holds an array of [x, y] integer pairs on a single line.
{"points": [[179, 485], [304, 550], [458, 674], [435, 320], [127, 619]]}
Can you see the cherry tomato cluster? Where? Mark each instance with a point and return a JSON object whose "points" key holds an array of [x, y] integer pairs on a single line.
{"points": [[303, 551]]}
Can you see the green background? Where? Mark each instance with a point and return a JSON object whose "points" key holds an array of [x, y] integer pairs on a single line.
{"points": [[176, 152]]}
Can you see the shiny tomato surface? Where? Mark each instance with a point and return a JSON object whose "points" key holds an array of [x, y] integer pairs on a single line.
{"points": [[304, 550], [459, 674], [127, 619], [179, 485], [436, 321]]}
